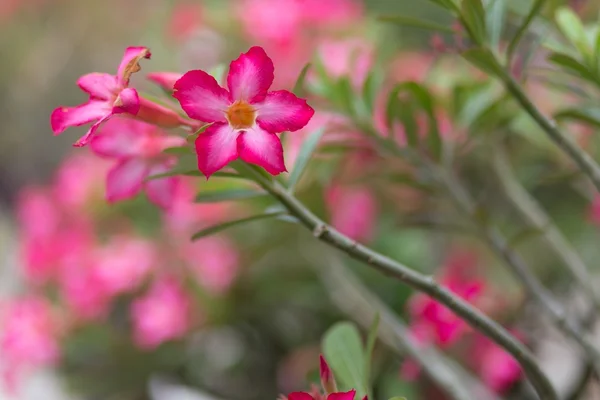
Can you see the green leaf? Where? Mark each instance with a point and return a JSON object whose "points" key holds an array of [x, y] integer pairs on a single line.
{"points": [[192, 137], [227, 195], [449, 5], [473, 15], [495, 16], [371, 89], [573, 67], [304, 156], [398, 398], [221, 227], [415, 23], [371, 340], [218, 72], [587, 114], [571, 26], [175, 172], [299, 86], [483, 59], [536, 8], [344, 352], [180, 150]]}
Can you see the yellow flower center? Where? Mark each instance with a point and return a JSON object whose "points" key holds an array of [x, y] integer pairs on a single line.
{"points": [[241, 115]]}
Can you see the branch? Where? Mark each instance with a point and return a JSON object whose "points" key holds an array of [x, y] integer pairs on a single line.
{"points": [[426, 284], [583, 160], [535, 216], [519, 267], [352, 297]]}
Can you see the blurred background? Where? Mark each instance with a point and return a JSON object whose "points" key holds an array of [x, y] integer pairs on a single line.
{"points": [[241, 315]]}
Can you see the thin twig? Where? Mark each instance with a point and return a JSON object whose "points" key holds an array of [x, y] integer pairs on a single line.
{"points": [[519, 267], [426, 284], [352, 297], [535, 216]]}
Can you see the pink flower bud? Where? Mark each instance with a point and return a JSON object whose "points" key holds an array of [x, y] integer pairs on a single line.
{"points": [[327, 378]]}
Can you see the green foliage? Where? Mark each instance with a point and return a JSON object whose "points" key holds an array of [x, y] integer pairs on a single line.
{"points": [[230, 224], [345, 354], [304, 156]]}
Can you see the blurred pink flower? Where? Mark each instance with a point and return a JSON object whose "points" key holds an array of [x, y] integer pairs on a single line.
{"points": [[271, 21], [332, 12], [109, 95], [497, 368], [138, 149], [351, 58], [186, 18], [29, 336], [123, 263], [317, 396], [215, 262], [77, 183], [594, 211], [246, 118], [161, 314], [353, 211], [434, 322]]}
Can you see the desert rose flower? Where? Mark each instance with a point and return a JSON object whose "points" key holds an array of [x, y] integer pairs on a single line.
{"points": [[109, 95], [497, 368], [166, 80], [29, 336], [137, 148], [160, 315], [333, 396], [246, 118], [353, 211]]}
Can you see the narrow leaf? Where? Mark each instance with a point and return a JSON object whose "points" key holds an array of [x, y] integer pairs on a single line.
{"points": [[180, 150], [221, 227], [304, 156], [571, 26], [473, 15], [227, 195], [535, 10], [175, 172], [299, 86], [589, 115], [495, 16], [483, 59], [574, 67], [344, 352], [449, 5], [404, 20]]}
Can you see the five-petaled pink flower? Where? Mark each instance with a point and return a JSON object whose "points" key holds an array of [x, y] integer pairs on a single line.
{"points": [[333, 396], [138, 148], [246, 118], [109, 95]]}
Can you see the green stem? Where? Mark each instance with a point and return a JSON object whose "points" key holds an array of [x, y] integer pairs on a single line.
{"points": [[426, 284], [583, 160], [532, 212]]}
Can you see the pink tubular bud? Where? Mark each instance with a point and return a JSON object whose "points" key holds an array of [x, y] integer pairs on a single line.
{"points": [[327, 379], [159, 115]]}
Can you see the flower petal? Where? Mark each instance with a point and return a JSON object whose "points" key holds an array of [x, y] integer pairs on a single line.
{"points": [[300, 396], [128, 102], [216, 147], [126, 179], [162, 191], [82, 141], [120, 138], [251, 75], [166, 80], [66, 117], [283, 111], [131, 63], [201, 97], [262, 148], [99, 85], [342, 396]]}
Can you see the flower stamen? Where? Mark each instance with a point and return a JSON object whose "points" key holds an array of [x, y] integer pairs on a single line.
{"points": [[241, 115]]}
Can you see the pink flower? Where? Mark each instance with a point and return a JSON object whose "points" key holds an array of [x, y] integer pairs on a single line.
{"points": [[29, 336], [497, 368], [122, 264], [166, 80], [278, 21], [246, 118], [594, 211], [333, 396], [327, 379], [109, 95], [186, 18], [434, 322], [162, 314], [138, 149], [350, 58], [215, 262], [353, 211]]}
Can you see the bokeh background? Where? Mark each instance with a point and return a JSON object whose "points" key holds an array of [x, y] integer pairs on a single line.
{"points": [[260, 336]]}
